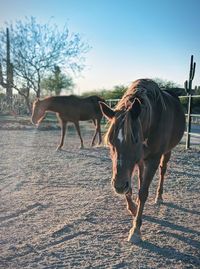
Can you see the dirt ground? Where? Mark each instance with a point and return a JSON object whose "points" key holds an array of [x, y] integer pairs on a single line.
{"points": [[58, 209]]}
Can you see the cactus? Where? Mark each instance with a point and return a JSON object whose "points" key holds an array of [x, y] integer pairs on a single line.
{"points": [[188, 83], [188, 89], [9, 72]]}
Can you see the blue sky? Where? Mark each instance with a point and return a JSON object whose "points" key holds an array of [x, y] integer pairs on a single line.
{"points": [[129, 39]]}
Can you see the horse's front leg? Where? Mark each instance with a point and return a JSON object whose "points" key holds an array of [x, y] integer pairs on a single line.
{"points": [[63, 131], [131, 206], [140, 176], [150, 167]]}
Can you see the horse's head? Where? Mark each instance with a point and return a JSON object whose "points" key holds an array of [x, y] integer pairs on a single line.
{"points": [[38, 112], [124, 138]]}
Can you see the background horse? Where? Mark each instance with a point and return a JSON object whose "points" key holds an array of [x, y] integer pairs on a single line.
{"points": [[145, 125], [70, 109]]}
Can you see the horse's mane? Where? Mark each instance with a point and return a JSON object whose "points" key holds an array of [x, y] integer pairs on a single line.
{"points": [[148, 93], [146, 90]]}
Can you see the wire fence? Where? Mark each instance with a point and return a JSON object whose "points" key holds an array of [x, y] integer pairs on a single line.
{"points": [[192, 120]]}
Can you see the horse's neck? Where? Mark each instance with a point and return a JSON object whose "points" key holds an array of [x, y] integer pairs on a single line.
{"points": [[146, 125], [150, 119], [50, 105]]}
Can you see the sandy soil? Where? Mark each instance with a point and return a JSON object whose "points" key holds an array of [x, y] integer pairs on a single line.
{"points": [[58, 210]]}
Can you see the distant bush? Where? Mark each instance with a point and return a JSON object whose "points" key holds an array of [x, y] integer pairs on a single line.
{"points": [[195, 104], [115, 93], [19, 106]]}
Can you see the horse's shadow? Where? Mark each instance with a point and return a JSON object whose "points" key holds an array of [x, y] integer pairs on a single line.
{"points": [[176, 227], [177, 207], [170, 252]]}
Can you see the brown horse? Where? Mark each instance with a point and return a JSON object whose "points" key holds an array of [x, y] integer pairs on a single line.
{"points": [[145, 125], [70, 109]]}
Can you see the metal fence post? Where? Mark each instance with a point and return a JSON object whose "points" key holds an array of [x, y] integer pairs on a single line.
{"points": [[188, 130]]}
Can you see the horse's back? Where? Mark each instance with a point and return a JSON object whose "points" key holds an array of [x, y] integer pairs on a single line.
{"points": [[90, 109], [75, 108]]}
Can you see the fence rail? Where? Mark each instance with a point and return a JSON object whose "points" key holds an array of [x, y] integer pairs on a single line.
{"points": [[190, 118]]}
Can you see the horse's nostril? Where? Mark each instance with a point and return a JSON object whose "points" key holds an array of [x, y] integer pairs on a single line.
{"points": [[126, 185]]}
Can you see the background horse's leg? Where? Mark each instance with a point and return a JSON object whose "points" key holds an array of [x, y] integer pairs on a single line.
{"points": [[97, 124], [79, 132], [99, 130], [63, 131], [163, 167], [94, 137], [150, 167]]}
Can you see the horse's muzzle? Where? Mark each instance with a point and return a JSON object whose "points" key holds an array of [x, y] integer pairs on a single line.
{"points": [[122, 187]]}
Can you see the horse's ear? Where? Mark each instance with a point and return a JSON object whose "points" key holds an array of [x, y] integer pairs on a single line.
{"points": [[135, 109], [106, 110]]}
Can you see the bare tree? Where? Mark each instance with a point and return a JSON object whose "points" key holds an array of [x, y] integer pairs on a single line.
{"points": [[35, 49]]}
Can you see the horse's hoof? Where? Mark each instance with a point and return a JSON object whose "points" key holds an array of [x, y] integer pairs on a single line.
{"points": [[158, 201], [58, 149], [134, 237]]}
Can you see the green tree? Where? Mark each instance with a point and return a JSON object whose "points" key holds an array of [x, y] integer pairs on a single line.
{"points": [[168, 84], [56, 82], [197, 90], [115, 93], [36, 48]]}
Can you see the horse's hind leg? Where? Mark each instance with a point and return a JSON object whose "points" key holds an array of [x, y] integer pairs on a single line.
{"points": [[163, 167], [63, 131], [79, 132], [95, 134], [99, 130], [97, 124]]}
